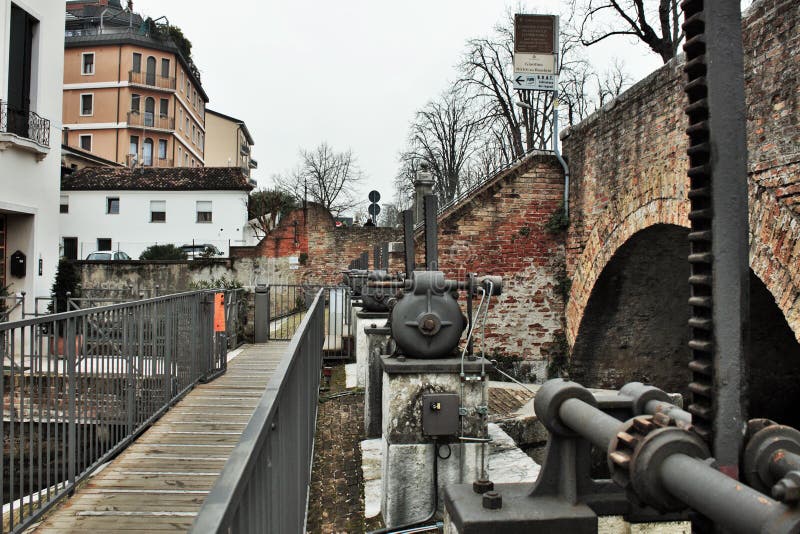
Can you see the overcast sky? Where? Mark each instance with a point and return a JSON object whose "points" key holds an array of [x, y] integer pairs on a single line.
{"points": [[349, 72]]}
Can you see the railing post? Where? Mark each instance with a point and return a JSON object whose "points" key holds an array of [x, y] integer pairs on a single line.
{"points": [[69, 341], [261, 317], [168, 306]]}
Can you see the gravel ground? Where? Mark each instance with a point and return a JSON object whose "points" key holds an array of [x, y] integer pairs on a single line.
{"points": [[336, 503]]}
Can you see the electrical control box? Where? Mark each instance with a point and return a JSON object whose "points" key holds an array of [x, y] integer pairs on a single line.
{"points": [[440, 414]]}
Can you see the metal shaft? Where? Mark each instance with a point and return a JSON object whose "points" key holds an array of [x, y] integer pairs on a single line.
{"points": [[731, 504], [431, 234], [591, 423]]}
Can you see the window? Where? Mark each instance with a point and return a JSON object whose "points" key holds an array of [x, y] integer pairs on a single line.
{"points": [[192, 162], [135, 99], [194, 134], [149, 111], [178, 163], [162, 149], [165, 68], [187, 125], [63, 206], [150, 75], [180, 119], [147, 152], [188, 87], [186, 160], [86, 142], [164, 108], [202, 142], [112, 208], [87, 104], [137, 62], [134, 145], [20, 70], [204, 211], [104, 243], [87, 63], [158, 211]]}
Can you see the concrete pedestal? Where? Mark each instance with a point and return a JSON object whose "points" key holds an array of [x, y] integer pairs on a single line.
{"points": [[377, 345], [365, 319], [408, 455]]}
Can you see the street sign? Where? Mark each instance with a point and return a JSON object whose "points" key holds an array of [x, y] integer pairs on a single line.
{"points": [[534, 63], [535, 45], [535, 82], [374, 209], [535, 34], [374, 196]]}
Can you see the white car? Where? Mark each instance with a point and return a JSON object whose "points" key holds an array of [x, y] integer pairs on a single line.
{"points": [[107, 255]]}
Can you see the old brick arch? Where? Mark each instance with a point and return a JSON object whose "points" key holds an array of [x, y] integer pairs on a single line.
{"points": [[634, 327]]}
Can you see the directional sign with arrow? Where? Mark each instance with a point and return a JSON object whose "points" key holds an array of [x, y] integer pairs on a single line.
{"points": [[535, 82]]}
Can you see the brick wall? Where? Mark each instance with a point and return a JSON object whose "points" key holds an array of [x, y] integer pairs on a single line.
{"points": [[501, 231], [311, 231], [628, 165]]}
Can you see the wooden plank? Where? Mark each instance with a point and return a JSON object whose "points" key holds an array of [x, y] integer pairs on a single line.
{"points": [[159, 482]]}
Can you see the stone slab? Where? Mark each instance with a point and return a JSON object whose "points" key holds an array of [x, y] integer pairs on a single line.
{"points": [[394, 365]]}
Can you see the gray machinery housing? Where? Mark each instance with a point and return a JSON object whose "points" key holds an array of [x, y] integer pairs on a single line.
{"points": [[377, 299], [426, 320]]}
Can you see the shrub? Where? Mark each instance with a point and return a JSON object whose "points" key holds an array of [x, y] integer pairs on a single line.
{"points": [[162, 252], [67, 280]]}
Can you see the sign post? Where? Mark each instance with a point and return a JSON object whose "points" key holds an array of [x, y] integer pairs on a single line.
{"points": [[535, 52]]}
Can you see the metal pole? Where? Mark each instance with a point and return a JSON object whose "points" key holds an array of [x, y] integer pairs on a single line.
{"points": [[593, 424], [431, 234], [408, 241]]}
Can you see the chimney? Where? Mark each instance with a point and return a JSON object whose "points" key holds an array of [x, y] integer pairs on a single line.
{"points": [[423, 185]]}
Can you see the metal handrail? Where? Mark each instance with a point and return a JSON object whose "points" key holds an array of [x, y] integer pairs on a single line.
{"points": [[79, 386], [264, 484], [24, 123]]}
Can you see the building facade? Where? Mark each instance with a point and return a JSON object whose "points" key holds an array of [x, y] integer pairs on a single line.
{"points": [[131, 95], [117, 208], [31, 61], [228, 142]]}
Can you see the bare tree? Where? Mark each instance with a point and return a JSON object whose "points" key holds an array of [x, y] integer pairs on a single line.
{"points": [[444, 134], [656, 23], [326, 177]]}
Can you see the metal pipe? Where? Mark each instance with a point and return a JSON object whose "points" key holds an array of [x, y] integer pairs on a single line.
{"points": [[408, 242], [591, 423], [731, 504], [558, 155], [783, 461], [431, 234]]}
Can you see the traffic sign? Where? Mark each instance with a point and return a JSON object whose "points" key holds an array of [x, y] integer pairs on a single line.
{"points": [[535, 82], [374, 209], [374, 196]]}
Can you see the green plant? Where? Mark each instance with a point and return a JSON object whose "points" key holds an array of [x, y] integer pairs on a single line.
{"points": [[563, 285], [216, 283], [558, 355], [512, 365], [162, 252], [525, 231], [558, 221], [303, 258], [67, 280]]}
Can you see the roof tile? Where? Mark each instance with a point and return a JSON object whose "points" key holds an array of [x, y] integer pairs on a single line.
{"points": [[157, 179]]}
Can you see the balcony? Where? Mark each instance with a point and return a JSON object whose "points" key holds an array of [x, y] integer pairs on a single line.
{"points": [[161, 163], [149, 120], [25, 129], [149, 79]]}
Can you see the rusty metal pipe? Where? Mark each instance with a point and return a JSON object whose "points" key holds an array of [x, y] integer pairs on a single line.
{"points": [[653, 407], [783, 461]]}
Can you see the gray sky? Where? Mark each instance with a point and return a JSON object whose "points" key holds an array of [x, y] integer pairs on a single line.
{"points": [[349, 72]]}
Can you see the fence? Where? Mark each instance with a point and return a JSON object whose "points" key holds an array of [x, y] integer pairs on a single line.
{"points": [[264, 485], [288, 305], [79, 386]]}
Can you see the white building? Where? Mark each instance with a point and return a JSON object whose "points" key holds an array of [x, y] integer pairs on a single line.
{"points": [[31, 70], [113, 208]]}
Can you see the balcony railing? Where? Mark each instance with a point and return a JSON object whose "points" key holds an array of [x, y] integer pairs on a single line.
{"points": [[150, 79], [132, 160], [150, 120], [25, 124]]}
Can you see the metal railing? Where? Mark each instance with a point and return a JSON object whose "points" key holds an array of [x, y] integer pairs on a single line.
{"points": [[24, 123], [288, 304], [151, 80], [9, 303], [264, 485], [150, 120], [79, 386]]}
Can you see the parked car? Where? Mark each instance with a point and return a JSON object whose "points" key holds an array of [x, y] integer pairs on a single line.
{"points": [[108, 255], [201, 250]]}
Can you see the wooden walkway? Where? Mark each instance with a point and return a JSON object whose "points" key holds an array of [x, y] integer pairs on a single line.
{"points": [[160, 481]]}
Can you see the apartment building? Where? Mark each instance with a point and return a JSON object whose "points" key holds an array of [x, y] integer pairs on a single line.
{"points": [[31, 59], [132, 93], [228, 143]]}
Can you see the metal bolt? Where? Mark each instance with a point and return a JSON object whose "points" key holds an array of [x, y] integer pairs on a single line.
{"points": [[428, 324], [492, 500], [787, 489]]}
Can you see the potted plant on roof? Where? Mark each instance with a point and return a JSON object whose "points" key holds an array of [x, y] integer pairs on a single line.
{"points": [[66, 284]]}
